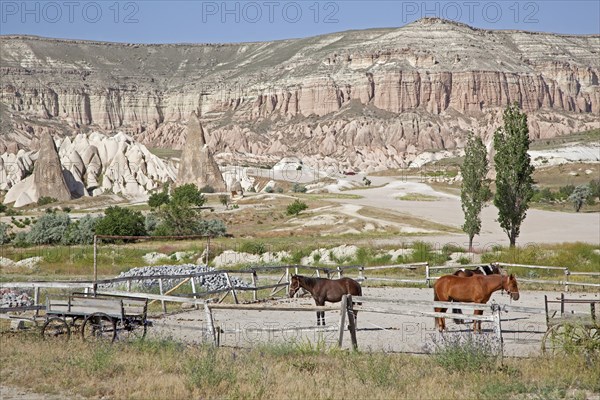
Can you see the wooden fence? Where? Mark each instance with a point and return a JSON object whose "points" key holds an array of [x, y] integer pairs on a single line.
{"points": [[565, 282]]}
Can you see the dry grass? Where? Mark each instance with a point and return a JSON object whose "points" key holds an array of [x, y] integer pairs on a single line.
{"points": [[405, 219], [165, 369], [417, 197]]}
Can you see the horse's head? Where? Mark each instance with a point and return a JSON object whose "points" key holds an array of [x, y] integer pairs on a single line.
{"points": [[294, 285], [510, 285]]}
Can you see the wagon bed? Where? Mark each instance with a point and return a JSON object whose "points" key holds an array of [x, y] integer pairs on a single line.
{"points": [[101, 316]]}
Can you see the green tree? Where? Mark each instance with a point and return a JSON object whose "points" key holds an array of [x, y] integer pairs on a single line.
{"points": [[188, 194], [579, 195], [514, 182], [475, 189], [158, 199], [121, 221]]}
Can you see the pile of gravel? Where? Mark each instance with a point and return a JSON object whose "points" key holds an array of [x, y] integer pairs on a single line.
{"points": [[208, 282], [12, 298]]}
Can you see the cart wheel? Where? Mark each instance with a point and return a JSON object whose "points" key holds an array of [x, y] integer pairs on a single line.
{"points": [[565, 338], [99, 327], [56, 328], [132, 330]]}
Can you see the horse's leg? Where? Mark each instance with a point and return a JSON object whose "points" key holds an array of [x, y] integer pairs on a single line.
{"points": [[439, 321], [320, 314], [477, 324]]}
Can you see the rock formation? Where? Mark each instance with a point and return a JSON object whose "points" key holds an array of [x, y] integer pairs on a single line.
{"points": [[197, 164], [47, 179], [86, 165], [365, 99]]}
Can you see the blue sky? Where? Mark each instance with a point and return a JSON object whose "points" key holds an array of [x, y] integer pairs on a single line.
{"points": [[240, 21]]}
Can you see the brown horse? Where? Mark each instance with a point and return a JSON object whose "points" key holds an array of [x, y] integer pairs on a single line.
{"points": [[323, 289], [474, 289], [480, 270]]}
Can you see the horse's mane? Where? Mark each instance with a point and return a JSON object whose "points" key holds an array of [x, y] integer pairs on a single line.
{"points": [[307, 280]]}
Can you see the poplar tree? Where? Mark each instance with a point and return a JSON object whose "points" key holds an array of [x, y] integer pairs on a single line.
{"points": [[475, 189], [514, 181]]}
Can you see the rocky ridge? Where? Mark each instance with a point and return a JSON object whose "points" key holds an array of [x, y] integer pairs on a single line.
{"points": [[370, 99]]}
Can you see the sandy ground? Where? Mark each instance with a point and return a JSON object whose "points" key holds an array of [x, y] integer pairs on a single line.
{"points": [[522, 333], [538, 227]]}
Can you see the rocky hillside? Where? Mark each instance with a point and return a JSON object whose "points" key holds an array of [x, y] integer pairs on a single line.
{"points": [[367, 99]]}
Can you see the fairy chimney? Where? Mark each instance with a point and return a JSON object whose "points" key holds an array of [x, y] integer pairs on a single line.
{"points": [[48, 177], [197, 164]]}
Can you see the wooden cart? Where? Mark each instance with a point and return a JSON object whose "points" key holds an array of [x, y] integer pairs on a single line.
{"points": [[96, 317], [569, 331]]}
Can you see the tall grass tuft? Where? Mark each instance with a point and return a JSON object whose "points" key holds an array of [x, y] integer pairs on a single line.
{"points": [[465, 351]]}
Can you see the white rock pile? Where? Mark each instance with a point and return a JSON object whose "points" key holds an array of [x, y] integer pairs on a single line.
{"points": [[12, 298], [207, 282]]}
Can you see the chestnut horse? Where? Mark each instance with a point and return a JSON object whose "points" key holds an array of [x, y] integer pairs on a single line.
{"points": [[474, 289], [323, 289], [481, 270]]}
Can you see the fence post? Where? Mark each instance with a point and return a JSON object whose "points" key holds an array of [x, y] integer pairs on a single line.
{"points": [[160, 287], [351, 322], [339, 271], [36, 299], [129, 285], [210, 323], [427, 281], [254, 294], [343, 311], [496, 311], [287, 279], [95, 263], [361, 270], [567, 273], [231, 287], [193, 282]]}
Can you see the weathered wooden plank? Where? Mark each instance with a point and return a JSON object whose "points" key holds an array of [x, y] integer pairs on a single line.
{"points": [[260, 307], [421, 313], [432, 304]]}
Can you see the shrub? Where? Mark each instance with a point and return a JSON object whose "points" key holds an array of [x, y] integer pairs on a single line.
{"points": [[212, 227], [269, 189], [82, 231], [20, 240], [279, 190], [579, 196], [224, 199], [50, 228], [595, 188], [4, 233], [253, 247], [66, 209], [366, 181], [296, 207], [2, 207], [122, 222], [565, 191], [150, 223], [298, 188], [11, 212], [42, 201]]}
